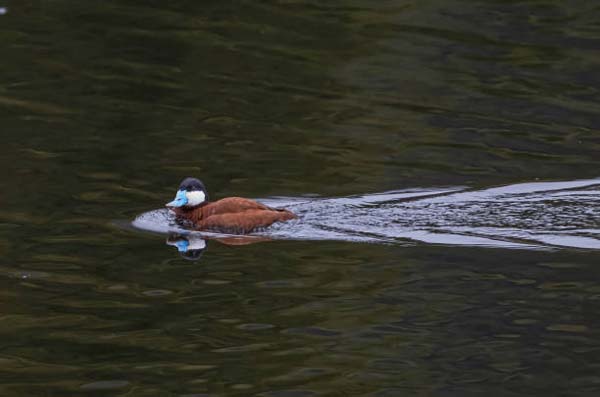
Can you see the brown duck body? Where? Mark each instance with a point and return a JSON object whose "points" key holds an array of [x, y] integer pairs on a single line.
{"points": [[233, 215]]}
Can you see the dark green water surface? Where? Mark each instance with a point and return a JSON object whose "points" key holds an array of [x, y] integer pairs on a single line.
{"points": [[106, 105]]}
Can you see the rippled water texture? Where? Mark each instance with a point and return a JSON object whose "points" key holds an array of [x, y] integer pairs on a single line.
{"points": [[474, 273]]}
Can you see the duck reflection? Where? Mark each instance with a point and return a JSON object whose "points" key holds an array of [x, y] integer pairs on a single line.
{"points": [[191, 246]]}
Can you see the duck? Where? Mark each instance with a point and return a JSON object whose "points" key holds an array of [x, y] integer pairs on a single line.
{"points": [[231, 215]]}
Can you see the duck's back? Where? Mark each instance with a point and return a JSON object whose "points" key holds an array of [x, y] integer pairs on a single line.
{"points": [[232, 205]]}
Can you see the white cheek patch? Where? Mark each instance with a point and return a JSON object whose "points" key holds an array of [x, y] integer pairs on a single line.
{"points": [[195, 198]]}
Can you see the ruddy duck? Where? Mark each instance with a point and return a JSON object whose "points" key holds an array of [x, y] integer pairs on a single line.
{"points": [[234, 215]]}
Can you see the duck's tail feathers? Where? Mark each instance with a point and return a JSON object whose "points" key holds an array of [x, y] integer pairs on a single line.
{"points": [[286, 214]]}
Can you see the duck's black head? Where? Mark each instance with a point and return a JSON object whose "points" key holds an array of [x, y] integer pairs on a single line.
{"points": [[191, 193]]}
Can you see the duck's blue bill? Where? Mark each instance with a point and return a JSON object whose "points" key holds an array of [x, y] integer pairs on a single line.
{"points": [[180, 200]]}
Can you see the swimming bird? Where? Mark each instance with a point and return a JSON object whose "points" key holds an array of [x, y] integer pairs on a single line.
{"points": [[234, 215]]}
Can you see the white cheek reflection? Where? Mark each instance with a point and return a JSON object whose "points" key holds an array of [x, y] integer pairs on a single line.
{"points": [[196, 243]]}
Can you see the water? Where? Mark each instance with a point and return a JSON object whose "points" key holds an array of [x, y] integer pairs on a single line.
{"points": [[474, 272]]}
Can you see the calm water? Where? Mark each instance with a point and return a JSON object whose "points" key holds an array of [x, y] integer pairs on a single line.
{"points": [[468, 274]]}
